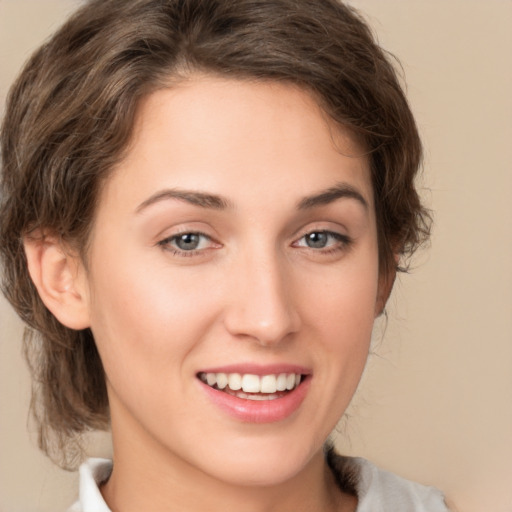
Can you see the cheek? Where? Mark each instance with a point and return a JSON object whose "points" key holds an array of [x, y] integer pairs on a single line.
{"points": [[347, 328], [148, 317], [341, 314], [343, 303]]}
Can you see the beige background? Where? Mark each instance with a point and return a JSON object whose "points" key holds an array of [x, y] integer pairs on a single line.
{"points": [[436, 402]]}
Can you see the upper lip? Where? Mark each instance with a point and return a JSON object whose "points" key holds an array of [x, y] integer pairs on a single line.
{"points": [[257, 369]]}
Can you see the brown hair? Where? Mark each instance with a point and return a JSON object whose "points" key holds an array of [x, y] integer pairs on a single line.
{"points": [[70, 114]]}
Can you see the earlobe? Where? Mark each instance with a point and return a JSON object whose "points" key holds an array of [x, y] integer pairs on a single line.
{"points": [[59, 278]]}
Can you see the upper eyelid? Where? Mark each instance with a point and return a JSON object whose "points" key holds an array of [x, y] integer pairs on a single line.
{"points": [[176, 232], [330, 232], [187, 232], [307, 231], [300, 234], [342, 237], [174, 236]]}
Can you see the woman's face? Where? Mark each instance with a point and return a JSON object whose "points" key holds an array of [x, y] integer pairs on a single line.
{"points": [[235, 245]]}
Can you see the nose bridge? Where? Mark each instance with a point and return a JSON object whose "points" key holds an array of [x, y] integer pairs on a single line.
{"points": [[262, 306]]}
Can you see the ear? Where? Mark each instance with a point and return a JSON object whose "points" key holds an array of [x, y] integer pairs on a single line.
{"points": [[60, 279], [386, 282]]}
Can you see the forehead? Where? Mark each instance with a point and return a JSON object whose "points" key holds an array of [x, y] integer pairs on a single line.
{"points": [[200, 105], [237, 137]]}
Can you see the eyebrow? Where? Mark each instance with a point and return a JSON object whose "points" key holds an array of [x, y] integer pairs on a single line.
{"points": [[201, 199], [216, 202], [339, 191]]}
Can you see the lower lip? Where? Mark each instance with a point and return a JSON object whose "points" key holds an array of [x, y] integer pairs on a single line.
{"points": [[258, 411]]}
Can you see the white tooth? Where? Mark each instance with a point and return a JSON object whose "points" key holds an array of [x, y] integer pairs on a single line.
{"points": [[281, 382], [297, 379], [261, 397], [251, 383], [211, 379], [252, 396], [268, 384], [235, 381], [222, 380], [290, 381]]}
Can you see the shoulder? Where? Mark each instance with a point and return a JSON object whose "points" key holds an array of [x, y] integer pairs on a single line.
{"points": [[381, 491], [92, 474]]}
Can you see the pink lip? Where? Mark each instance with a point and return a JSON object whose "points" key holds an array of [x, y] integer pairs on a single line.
{"points": [[257, 411]]}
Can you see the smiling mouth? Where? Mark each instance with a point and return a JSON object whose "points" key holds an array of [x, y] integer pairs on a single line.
{"points": [[253, 387]]}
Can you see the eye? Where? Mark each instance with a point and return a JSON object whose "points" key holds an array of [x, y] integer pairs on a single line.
{"points": [[323, 240], [317, 240], [189, 242]]}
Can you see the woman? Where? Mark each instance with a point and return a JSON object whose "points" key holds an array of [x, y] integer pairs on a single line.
{"points": [[204, 207]]}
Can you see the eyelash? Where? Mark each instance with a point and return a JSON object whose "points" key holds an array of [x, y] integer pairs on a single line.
{"points": [[343, 243], [166, 244]]}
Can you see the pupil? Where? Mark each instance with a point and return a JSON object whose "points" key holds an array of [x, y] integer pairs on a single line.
{"points": [[316, 240], [189, 241]]}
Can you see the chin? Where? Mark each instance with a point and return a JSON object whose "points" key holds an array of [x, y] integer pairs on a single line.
{"points": [[261, 464], [269, 474]]}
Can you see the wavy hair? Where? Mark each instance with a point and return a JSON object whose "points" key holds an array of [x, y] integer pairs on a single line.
{"points": [[69, 118]]}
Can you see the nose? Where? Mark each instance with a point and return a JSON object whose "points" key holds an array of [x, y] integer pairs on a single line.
{"points": [[261, 305]]}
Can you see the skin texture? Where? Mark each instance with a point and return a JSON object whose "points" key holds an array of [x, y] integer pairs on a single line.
{"points": [[253, 291]]}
